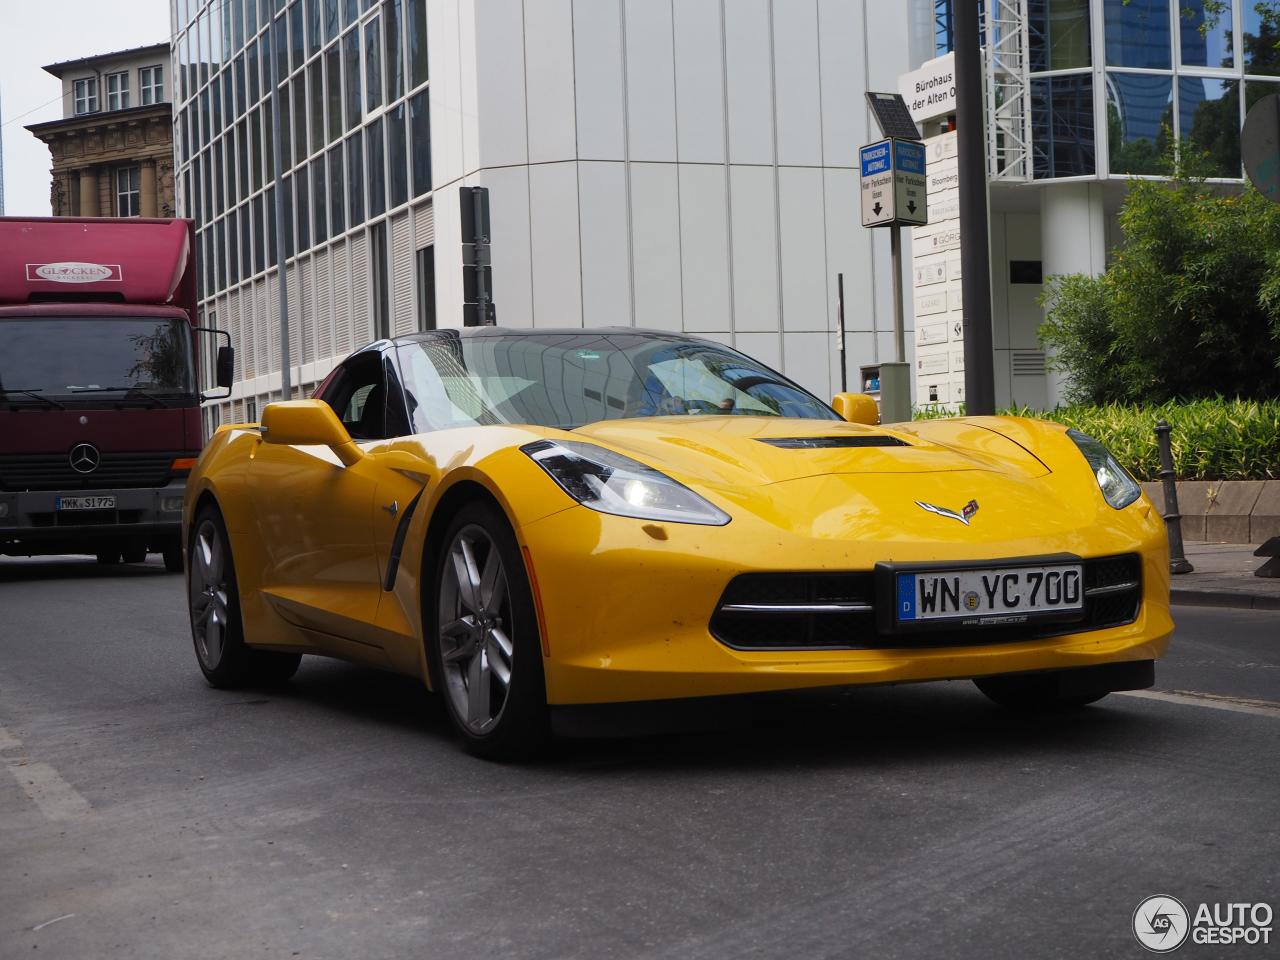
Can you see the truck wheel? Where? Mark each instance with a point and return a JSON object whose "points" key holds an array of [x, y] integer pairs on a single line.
{"points": [[108, 557], [134, 555], [217, 629], [172, 554]]}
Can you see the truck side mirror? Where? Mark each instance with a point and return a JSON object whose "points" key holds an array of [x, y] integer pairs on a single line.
{"points": [[225, 366]]}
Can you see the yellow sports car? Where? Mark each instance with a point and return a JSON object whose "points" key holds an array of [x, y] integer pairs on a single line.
{"points": [[530, 520]]}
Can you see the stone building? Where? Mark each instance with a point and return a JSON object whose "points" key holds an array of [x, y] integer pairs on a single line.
{"points": [[113, 148]]}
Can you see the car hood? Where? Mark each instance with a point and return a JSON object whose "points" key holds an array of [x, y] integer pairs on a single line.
{"points": [[736, 452]]}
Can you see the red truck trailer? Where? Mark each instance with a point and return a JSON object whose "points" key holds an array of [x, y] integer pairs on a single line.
{"points": [[99, 393]]}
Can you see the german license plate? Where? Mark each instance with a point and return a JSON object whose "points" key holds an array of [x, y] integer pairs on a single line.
{"points": [[85, 503], [996, 595]]}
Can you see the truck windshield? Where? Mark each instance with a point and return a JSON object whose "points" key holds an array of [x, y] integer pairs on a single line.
{"points": [[94, 357]]}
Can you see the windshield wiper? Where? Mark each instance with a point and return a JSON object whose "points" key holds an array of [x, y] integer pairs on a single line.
{"points": [[34, 394], [135, 391]]}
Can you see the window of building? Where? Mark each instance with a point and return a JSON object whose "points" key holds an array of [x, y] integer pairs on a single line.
{"points": [[1058, 33], [86, 95], [372, 65], [1209, 117], [1205, 31], [151, 85], [420, 137], [128, 191], [1139, 121], [1260, 33], [118, 91], [397, 156], [1062, 126], [1137, 33], [427, 288], [378, 266]]}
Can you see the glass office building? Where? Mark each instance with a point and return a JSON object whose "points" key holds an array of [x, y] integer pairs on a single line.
{"points": [[351, 123], [685, 166], [1083, 97]]}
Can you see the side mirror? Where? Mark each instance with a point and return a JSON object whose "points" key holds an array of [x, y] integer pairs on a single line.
{"points": [[224, 366], [856, 408], [308, 423]]}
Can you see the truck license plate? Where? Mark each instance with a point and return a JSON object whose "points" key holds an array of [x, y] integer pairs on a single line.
{"points": [[996, 595], [85, 503]]}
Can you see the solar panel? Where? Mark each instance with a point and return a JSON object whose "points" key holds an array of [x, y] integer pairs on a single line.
{"points": [[892, 115]]}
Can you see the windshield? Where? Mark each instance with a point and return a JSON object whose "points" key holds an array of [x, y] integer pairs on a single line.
{"points": [[92, 357], [567, 380]]}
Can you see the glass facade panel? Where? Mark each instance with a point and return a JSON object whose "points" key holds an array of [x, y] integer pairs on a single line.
{"points": [[1260, 30], [375, 168], [1139, 121], [355, 178], [1205, 28], [316, 99], [330, 19], [304, 209], [319, 209], [1137, 33], [300, 115], [372, 66], [1209, 116], [297, 45], [394, 57], [333, 90], [397, 157], [1058, 32], [337, 202], [417, 27], [420, 142], [351, 77], [314, 41], [1062, 128]]}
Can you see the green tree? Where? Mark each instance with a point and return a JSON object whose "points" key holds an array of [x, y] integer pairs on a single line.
{"points": [[1190, 305]]}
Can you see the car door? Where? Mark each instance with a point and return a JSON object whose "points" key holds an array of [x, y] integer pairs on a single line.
{"points": [[316, 520]]}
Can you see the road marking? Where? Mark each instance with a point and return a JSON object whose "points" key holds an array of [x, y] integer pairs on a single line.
{"points": [[40, 926], [1259, 708], [43, 785]]}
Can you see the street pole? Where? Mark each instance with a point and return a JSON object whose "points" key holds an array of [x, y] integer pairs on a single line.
{"points": [[844, 368], [286, 363], [975, 255], [895, 259]]}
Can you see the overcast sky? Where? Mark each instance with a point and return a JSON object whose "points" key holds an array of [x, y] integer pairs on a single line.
{"points": [[37, 32]]}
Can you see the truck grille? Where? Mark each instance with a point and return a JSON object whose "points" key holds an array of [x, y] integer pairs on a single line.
{"points": [[816, 611], [52, 471]]}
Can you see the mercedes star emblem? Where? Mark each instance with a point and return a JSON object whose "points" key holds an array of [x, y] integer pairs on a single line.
{"points": [[84, 458]]}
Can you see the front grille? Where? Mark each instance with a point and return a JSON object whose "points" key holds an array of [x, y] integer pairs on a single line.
{"points": [[797, 611], [52, 471], [85, 518]]}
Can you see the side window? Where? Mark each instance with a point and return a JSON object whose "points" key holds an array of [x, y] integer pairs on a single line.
{"points": [[397, 416], [358, 396]]}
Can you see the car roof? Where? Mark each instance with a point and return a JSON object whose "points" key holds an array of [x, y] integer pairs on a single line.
{"points": [[487, 331]]}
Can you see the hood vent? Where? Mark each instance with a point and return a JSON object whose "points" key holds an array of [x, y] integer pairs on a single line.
{"points": [[828, 443]]}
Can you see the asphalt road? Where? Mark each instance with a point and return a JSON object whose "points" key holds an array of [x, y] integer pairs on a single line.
{"points": [[145, 815]]}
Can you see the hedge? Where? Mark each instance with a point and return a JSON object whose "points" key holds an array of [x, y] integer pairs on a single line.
{"points": [[1211, 439]]}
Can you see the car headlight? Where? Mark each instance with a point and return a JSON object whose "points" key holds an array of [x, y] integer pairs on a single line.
{"points": [[611, 483], [1118, 488]]}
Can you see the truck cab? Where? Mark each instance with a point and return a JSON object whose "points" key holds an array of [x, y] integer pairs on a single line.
{"points": [[99, 390]]}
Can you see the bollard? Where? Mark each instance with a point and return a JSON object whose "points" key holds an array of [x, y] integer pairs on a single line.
{"points": [[1178, 562]]}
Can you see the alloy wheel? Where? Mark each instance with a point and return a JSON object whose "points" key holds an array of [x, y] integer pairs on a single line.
{"points": [[475, 619], [209, 593]]}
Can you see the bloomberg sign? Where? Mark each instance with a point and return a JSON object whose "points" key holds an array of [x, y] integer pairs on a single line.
{"points": [[70, 271]]}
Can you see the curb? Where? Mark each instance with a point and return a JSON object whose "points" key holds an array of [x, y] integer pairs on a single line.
{"points": [[1238, 599]]}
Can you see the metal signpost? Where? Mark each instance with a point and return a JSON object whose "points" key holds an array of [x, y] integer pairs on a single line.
{"points": [[893, 190]]}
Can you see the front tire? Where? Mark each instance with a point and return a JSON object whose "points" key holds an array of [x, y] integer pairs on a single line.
{"points": [[485, 651], [1034, 693], [217, 629]]}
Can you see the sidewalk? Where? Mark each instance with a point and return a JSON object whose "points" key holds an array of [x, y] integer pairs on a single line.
{"points": [[1223, 577]]}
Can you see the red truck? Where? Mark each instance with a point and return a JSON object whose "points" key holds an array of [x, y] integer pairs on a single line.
{"points": [[99, 393]]}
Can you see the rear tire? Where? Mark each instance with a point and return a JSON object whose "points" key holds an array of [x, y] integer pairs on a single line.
{"points": [[134, 555], [108, 557], [482, 637], [217, 629]]}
